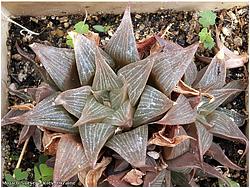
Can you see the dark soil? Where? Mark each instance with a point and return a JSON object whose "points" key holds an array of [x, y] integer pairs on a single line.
{"points": [[183, 29]]}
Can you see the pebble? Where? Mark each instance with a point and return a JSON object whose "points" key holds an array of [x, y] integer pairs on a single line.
{"points": [[240, 151], [21, 76], [238, 41], [63, 19], [66, 24], [226, 31], [17, 57], [34, 19], [138, 16]]}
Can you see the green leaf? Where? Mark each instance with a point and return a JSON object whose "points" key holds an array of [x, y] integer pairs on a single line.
{"points": [[206, 38], [19, 175], [81, 27], [207, 18], [45, 170], [101, 28], [43, 158], [9, 178], [231, 183], [37, 173], [69, 41], [47, 179]]}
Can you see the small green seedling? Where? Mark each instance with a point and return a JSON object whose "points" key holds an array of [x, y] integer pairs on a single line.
{"points": [[79, 27], [101, 29], [206, 38], [18, 179], [207, 18], [43, 173], [231, 183]]}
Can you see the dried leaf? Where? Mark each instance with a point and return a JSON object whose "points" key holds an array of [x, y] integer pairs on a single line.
{"points": [[178, 150], [224, 127], [94, 175], [117, 181], [145, 45], [136, 75], [160, 139], [122, 117], [152, 104], [94, 137], [215, 74], [74, 100], [170, 66], [46, 114], [37, 139], [232, 60], [180, 113], [93, 112], [59, 63], [134, 177], [122, 45], [216, 153], [131, 145], [50, 142], [68, 164], [94, 37], [185, 89]]}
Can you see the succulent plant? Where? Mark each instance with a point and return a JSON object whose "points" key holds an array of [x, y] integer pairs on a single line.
{"points": [[130, 113]]}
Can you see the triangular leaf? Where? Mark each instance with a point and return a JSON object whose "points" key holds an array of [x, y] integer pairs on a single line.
{"points": [[93, 112], [122, 117], [158, 181], [153, 103], [74, 100], [220, 95], [225, 128], [204, 139], [105, 78], [136, 75], [122, 45], [94, 136], [217, 153], [180, 113], [59, 63], [26, 132], [70, 159], [170, 66], [46, 114], [131, 145], [215, 75]]}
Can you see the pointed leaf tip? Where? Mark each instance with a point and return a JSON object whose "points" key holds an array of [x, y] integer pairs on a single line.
{"points": [[122, 45]]}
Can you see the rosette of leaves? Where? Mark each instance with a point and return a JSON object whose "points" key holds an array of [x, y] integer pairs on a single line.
{"points": [[131, 113]]}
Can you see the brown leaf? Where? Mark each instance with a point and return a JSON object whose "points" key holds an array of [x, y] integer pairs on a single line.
{"points": [[161, 140], [178, 150], [145, 45], [117, 181], [26, 132], [94, 37], [185, 89], [134, 177], [27, 106], [94, 175], [50, 142]]}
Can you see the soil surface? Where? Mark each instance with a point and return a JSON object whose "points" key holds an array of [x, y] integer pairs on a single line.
{"points": [[183, 29]]}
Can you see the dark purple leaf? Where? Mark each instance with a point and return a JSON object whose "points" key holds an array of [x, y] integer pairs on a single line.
{"points": [[73, 100], [59, 63], [131, 145], [180, 113], [70, 159]]}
